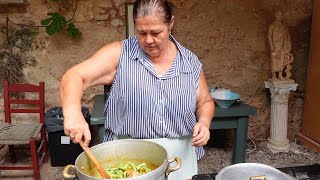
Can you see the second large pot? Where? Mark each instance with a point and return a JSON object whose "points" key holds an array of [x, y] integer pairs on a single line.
{"points": [[126, 150], [251, 171]]}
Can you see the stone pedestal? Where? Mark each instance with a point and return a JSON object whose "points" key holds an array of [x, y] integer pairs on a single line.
{"points": [[278, 141]]}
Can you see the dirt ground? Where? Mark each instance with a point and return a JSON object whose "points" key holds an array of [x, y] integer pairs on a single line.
{"points": [[214, 160], [217, 158]]}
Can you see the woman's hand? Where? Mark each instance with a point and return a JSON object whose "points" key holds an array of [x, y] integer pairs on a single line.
{"points": [[78, 129], [201, 134], [204, 112]]}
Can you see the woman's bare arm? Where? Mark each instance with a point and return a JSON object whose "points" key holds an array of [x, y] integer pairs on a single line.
{"points": [[204, 113], [97, 70]]}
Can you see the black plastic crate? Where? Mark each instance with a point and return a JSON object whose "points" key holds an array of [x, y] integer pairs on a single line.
{"points": [[62, 154], [62, 150]]}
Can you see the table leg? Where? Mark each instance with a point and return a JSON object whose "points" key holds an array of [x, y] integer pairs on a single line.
{"points": [[101, 132], [240, 141]]}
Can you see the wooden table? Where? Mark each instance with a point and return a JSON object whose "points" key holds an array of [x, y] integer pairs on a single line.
{"points": [[235, 117]]}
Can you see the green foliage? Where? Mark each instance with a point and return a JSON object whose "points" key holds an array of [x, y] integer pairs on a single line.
{"points": [[73, 31], [57, 23], [23, 38]]}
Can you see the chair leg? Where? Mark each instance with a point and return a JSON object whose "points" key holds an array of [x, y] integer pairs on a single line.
{"points": [[44, 148], [35, 162], [12, 154]]}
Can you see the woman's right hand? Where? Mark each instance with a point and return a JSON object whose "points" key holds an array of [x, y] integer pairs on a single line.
{"points": [[77, 128]]}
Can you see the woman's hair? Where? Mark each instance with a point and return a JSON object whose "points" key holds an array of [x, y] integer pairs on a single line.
{"points": [[152, 7]]}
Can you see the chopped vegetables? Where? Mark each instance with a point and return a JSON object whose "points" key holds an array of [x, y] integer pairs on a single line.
{"points": [[127, 170]]}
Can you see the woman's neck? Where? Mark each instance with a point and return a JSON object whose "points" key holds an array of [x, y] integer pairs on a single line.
{"points": [[163, 62]]}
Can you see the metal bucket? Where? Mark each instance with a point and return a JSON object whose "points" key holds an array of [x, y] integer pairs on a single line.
{"points": [[125, 150]]}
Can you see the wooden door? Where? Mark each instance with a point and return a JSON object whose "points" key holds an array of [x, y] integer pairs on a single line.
{"points": [[311, 114]]}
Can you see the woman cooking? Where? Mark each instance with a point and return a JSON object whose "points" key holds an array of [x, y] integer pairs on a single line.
{"points": [[159, 91]]}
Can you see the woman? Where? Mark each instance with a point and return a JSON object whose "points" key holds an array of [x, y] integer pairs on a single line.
{"points": [[159, 91]]}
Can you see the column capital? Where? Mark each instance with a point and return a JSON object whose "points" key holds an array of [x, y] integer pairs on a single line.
{"points": [[281, 86], [280, 90]]}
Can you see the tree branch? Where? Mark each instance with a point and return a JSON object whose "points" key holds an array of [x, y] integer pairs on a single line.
{"points": [[75, 9]]}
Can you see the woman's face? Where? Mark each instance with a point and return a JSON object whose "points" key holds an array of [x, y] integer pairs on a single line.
{"points": [[152, 33]]}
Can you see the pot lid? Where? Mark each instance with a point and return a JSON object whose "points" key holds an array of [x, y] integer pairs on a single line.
{"points": [[255, 171]]}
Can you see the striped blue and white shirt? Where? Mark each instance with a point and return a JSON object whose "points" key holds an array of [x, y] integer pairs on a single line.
{"points": [[144, 105]]}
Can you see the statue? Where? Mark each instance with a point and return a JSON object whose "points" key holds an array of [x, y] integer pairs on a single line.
{"points": [[280, 46]]}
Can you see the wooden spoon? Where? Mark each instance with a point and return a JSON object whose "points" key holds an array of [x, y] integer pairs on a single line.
{"points": [[95, 161]]}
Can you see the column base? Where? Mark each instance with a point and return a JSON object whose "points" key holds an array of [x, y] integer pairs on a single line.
{"points": [[276, 148]]}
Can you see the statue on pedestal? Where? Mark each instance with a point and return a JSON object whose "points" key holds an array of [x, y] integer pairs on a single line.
{"points": [[280, 47], [280, 84]]}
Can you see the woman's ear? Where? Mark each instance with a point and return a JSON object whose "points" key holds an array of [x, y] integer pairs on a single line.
{"points": [[171, 23]]}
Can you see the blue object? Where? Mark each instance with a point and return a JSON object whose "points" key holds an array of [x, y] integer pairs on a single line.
{"points": [[224, 99]]}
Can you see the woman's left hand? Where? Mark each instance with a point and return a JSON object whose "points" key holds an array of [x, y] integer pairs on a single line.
{"points": [[201, 134]]}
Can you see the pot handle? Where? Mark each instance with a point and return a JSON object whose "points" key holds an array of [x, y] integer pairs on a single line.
{"points": [[171, 169], [259, 177], [66, 171]]}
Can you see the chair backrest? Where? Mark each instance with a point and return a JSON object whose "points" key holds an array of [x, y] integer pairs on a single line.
{"points": [[20, 105]]}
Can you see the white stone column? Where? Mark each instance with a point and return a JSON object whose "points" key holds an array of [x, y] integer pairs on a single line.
{"points": [[278, 141]]}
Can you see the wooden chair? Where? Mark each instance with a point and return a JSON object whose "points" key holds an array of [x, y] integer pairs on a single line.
{"points": [[32, 134]]}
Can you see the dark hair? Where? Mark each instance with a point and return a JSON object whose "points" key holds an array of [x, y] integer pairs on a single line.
{"points": [[152, 7]]}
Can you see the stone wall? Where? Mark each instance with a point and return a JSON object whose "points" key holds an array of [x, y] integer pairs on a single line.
{"points": [[229, 36]]}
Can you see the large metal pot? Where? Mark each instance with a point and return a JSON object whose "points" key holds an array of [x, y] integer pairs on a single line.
{"points": [[251, 171], [125, 150]]}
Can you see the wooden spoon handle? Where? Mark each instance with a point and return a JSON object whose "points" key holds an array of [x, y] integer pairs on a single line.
{"points": [[95, 161]]}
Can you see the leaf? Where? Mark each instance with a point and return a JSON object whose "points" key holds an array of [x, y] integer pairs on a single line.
{"points": [[45, 22], [73, 31], [55, 23]]}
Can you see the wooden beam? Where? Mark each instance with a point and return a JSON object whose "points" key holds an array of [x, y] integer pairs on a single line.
{"points": [[308, 142]]}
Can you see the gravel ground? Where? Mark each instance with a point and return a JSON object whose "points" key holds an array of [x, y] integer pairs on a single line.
{"points": [[214, 160], [217, 158]]}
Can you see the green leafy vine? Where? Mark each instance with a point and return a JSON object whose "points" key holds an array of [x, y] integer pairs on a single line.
{"points": [[57, 22]]}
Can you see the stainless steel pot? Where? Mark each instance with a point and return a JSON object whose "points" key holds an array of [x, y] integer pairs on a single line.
{"points": [[251, 171], [127, 149]]}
